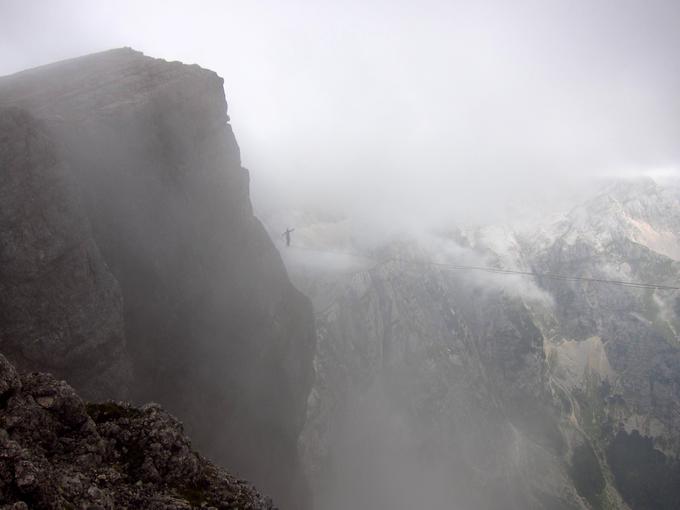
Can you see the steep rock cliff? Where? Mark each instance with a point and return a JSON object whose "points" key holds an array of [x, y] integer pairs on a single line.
{"points": [[431, 391], [615, 349], [214, 329], [491, 390], [60, 308]]}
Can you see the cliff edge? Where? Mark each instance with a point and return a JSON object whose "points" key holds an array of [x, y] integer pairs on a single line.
{"points": [[211, 325]]}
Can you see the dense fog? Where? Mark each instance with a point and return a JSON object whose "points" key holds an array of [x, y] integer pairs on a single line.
{"points": [[470, 135], [458, 108]]}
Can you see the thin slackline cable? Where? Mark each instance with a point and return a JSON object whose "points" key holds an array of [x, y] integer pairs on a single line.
{"points": [[493, 270], [554, 276]]}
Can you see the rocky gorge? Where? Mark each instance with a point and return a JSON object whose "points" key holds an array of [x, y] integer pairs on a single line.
{"points": [[441, 386], [143, 303]]}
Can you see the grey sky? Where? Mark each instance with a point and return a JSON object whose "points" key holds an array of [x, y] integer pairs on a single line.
{"points": [[414, 108]]}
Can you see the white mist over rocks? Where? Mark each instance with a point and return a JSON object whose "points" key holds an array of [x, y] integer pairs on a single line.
{"points": [[396, 139], [405, 112]]}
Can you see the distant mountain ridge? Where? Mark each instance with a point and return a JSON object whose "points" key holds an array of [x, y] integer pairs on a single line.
{"points": [[577, 383]]}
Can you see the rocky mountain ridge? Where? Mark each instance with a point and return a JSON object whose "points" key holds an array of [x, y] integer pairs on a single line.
{"points": [[575, 381]]}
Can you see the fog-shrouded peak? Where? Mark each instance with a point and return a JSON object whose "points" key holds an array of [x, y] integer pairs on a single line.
{"points": [[373, 255], [441, 109]]}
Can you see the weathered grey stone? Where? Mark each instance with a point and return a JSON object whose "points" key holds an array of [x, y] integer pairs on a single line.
{"points": [[214, 329], [437, 381], [60, 308], [106, 455], [542, 392], [9, 379]]}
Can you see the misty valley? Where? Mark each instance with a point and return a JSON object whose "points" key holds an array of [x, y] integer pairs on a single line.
{"points": [[178, 331]]}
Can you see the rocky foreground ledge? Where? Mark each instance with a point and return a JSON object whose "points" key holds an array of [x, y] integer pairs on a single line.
{"points": [[58, 452]]}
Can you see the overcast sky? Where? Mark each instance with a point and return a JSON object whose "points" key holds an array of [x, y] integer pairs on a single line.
{"points": [[412, 108]]}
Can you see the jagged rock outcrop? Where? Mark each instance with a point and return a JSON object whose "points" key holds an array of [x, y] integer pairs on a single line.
{"points": [[58, 452], [61, 308], [615, 350], [214, 329]]}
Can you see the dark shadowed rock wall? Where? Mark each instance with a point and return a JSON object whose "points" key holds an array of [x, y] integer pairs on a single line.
{"points": [[214, 329], [60, 308]]}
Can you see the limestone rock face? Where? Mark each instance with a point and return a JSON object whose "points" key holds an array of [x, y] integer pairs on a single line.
{"points": [[499, 391], [215, 330], [61, 308], [431, 391], [57, 452], [616, 350]]}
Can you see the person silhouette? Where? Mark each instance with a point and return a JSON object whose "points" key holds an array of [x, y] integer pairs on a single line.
{"points": [[286, 234]]}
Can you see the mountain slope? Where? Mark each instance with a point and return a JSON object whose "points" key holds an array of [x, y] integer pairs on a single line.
{"points": [[432, 390], [214, 330], [464, 389], [617, 349]]}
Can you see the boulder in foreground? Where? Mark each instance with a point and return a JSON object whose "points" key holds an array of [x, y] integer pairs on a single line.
{"points": [[58, 452]]}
